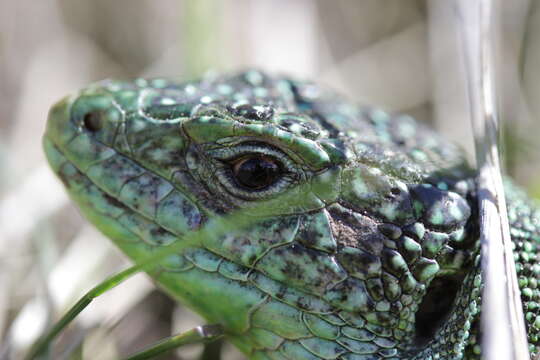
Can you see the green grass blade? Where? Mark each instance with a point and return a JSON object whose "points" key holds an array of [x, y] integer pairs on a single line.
{"points": [[205, 333], [504, 333], [214, 228]]}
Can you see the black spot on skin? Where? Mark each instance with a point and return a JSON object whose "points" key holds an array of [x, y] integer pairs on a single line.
{"points": [[113, 201], [158, 234], [294, 270], [64, 179], [393, 194], [244, 242], [256, 113], [386, 319], [390, 231], [281, 292], [396, 308], [252, 259], [301, 304], [388, 263], [295, 249], [386, 352], [194, 218], [360, 264]]}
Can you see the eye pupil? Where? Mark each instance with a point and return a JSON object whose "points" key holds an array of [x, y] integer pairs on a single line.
{"points": [[92, 121], [257, 172]]}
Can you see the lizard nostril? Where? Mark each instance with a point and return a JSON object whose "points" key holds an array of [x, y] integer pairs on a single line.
{"points": [[93, 121]]}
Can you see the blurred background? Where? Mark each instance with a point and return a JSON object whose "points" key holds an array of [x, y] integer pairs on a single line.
{"points": [[403, 55]]}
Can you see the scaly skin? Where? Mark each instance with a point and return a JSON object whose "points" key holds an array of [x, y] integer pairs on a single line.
{"points": [[367, 247]]}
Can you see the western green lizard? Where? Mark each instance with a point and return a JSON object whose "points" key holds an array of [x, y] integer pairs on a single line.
{"points": [[363, 238]]}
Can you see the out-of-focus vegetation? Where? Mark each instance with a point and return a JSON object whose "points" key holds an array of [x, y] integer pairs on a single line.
{"points": [[399, 54]]}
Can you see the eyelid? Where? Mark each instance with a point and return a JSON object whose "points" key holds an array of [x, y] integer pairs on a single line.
{"points": [[231, 154], [241, 159]]}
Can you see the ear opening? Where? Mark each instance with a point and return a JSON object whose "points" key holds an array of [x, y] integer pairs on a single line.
{"points": [[436, 306]]}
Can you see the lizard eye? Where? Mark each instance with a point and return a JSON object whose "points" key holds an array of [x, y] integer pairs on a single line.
{"points": [[257, 171], [253, 170], [93, 121]]}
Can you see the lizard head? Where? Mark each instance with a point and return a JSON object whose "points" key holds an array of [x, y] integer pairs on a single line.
{"points": [[352, 225]]}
